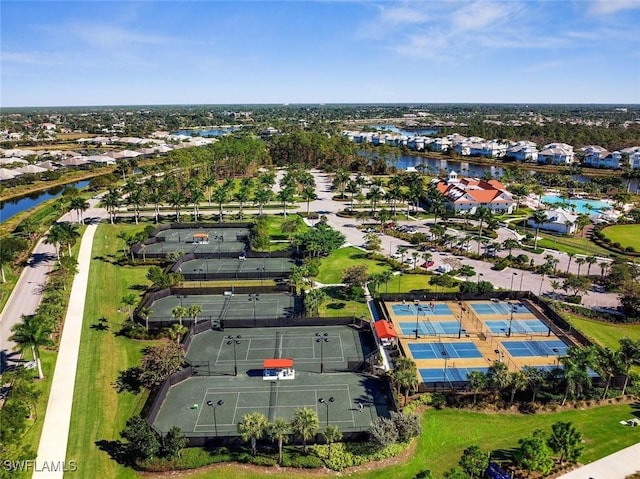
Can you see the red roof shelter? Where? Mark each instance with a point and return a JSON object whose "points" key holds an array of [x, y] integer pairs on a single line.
{"points": [[283, 363], [384, 329]]}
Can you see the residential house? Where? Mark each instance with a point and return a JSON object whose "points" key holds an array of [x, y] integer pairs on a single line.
{"points": [[558, 221], [556, 154], [598, 157], [523, 151], [631, 157]]}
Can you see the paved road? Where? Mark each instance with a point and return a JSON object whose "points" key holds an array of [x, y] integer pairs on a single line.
{"points": [[618, 465]]}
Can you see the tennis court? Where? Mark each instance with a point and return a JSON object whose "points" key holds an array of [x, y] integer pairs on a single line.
{"points": [[440, 309], [437, 375], [466, 350], [429, 328], [226, 249], [554, 347], [331, 348], [213, 406], [227, 306], [234, 267], [210, 235], [498, 308], [518, 326]]}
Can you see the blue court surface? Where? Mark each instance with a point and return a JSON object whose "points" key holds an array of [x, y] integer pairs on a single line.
{"points": [[440, 350], [436, 375], [499, 308], [518, 326], [429, 328], [422, 309], [535, 348]]}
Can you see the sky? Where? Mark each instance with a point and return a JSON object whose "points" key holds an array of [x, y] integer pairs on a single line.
{"points": [[216, 52]]}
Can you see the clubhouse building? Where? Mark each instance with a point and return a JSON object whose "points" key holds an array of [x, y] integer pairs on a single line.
{"points": [[466, 195]]}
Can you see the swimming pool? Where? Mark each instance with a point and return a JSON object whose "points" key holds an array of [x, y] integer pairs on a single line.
{"points": [[582, 206]]}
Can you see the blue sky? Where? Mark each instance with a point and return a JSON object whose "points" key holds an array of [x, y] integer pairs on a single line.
{"points": [[166, 52]]}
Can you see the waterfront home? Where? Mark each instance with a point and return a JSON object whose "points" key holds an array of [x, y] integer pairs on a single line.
{"points": [[558, 221], [598, 157], [523, 151], [631, 157], [468, 194], [485, 149], [556, 154]]}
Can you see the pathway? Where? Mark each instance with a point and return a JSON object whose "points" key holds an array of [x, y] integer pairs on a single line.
{"points": [[52, 450], [618, 465]]}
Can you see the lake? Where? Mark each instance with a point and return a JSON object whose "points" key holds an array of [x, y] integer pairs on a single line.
{"points": [[206, 133], [400, 131], [10, 208]]}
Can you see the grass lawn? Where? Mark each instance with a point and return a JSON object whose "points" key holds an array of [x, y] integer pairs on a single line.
{"points": [[335, 306], [604, 334], [626, 235], [441, 444], [571, 244], [332, 267], [99, 412]]}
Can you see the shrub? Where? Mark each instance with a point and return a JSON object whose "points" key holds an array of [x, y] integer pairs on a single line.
{"points": [[408, 425], [438, 400], [383, 432], [345, 455], [263, 461], [307, 462]]}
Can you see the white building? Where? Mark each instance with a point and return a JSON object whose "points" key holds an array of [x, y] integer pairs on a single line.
{"points": [[558, 220], [598, 157], [631, 157], [468, 194], [523, 151], [556, 154]]}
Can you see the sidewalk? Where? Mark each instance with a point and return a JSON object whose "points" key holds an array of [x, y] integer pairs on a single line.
{"points": [[615, 466], [52, 450]]}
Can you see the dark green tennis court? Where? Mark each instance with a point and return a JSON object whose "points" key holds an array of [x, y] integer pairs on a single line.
{"points": [[213, 406], [229, 268], [231, 248], [330, 348], [227, 306], [210, 235]]}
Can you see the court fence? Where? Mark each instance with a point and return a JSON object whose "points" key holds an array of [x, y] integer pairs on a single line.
{"points": [[257, 273]]}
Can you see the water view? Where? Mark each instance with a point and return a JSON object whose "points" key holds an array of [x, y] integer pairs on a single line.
{"points": [[206, 133], [400, 131]]}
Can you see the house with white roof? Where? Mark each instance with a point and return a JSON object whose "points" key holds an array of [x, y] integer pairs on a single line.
{"points": [[523, 151], [598, 157], [441, 144], [558, 221], [468, 194], [631, 157], [556, 154]]}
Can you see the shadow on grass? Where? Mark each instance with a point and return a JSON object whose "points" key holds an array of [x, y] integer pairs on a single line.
{"points": [[116, 450], [503, 455], [336, 306]]}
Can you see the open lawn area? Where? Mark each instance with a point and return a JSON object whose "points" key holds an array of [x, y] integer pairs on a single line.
{"points": [[604, 334], [99, 412], [441, 444], [571, 244], [626, 235], [332, 267]]}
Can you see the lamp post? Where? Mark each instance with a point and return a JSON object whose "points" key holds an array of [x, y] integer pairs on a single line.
{"points": [[555, 350], [201, 274], [444, 376], [261, 270], [513, 275], [181, 297], [541, 281], [326, 403], [521, 278], [322, 338], [512, 307], [213, 405], [254, 298], [234, 340], [478, 278], [399, 276], [417, 304]]}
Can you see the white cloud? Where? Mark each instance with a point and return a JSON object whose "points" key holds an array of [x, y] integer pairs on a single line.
{"points": [[551, 65], [608, 7], [108, 36], [478, 15], [405, 14]]}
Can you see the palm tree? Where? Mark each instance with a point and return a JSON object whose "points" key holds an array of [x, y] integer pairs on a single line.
{"points": [[176, 200], [536, 378], [252, 428], [519, 191], [136, 199], [555, 285], [576, 364], [261, 197], [193, 311], [477, 382], [110, 201], [591, 260], [510, 244], [352, 188], [179, 312], [539, 218], [279, 430], [580, 261], [407, 380], [385, 277], [331, 434], [242, 196], [340, 179], [608, 364], [517, 382], [482, 214], [603, 267], [55, 237], [129, 301], [374, 195], [629, 355], [305, 423], [145, 313], [78, 204], [308, 194], [285, 195], [570, 254], [313, 300], [33, 332], [220, 195]]}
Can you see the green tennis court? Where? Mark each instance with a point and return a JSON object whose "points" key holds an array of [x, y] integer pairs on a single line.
{"points": [[331, 348], [231, 248], [213, 406], [211, 235], [227, 268], [227, 306]]}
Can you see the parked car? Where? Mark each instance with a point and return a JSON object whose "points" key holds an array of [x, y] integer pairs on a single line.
{"points": [[427, 264]]}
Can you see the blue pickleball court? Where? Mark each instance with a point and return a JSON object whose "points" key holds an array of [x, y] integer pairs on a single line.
{"points": [[466, 350], [409, 309], [499, 308], [429, 328], [518, 326], [435, 375], [519, 349]]}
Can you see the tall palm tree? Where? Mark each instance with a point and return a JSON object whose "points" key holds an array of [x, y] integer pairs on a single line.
{"points": [[279, 430], [136, 199], [591, 260], [261, 197], [70, 234], [305, 423], [79, 205], [285, 195], [110, 201], [385, 277], [374, 195], [193, 311], [539, 218], [55, 237], [482, 214], [308, 194], [242, 196], [352, 188], [32, 332], [179, 312], [340, 179], [580, 261], [253, 427], [477, 382], [517, 382], [576, 364], [570, 254], [608, 364], [629, 355]]}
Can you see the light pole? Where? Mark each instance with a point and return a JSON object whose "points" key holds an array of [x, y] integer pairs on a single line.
{"points": [[555, 350], [510, 319], [541, 281], [261, 270], [399, 276], [513, 275], [211, 404], [322, 338], [254, 298], [326, 403], [521, 278], [417, 304], [444, 376], [478, 278], [181, 297], [201, 273], [234, 340], [460, 326]]}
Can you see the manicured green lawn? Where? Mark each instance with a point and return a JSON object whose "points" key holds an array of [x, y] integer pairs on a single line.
{"points": [[335, 306], [332, 267], [99, 412], [626, 235], [571, 244], [604, 334]]}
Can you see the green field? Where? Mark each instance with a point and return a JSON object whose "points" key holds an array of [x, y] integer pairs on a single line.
{"points": [[604, 334], [626, 235], [333, 266]]}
